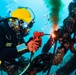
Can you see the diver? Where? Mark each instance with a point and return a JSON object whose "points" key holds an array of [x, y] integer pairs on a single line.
{"points": [[12, 43]]}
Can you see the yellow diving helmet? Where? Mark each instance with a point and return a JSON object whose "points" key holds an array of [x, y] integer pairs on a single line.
{"points": [[24, 19], [22, 13]]}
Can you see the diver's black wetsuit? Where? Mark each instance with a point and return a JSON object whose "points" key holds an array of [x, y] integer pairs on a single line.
{"points": [[8, 52], [8, 42]]}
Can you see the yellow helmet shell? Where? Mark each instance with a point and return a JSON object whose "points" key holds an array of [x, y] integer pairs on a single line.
{"points": [[23, 14]]}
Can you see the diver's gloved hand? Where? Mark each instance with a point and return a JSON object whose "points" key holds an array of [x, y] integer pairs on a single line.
{"points": [[34, 44]]}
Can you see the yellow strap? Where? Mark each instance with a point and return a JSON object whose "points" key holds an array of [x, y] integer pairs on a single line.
{"points": [[0, 62]]}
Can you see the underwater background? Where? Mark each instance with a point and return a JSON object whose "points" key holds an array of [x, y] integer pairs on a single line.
{"points": [[43, 10]]}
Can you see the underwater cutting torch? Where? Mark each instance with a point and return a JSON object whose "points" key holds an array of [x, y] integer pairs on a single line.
{"points": [[53, 37], [40, 34]]}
